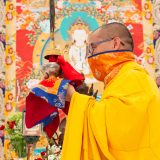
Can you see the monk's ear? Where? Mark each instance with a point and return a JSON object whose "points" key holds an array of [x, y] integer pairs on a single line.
{"points": [[117, 43]]}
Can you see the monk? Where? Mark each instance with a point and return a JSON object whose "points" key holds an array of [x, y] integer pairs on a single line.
{"points": [[125, 123]]}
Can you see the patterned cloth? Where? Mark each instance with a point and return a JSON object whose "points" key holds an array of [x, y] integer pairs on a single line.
{"points": [[43, 102], [54, 94]]}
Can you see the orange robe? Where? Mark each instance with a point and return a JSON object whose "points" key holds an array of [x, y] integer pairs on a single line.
{"points": [[123, 125]]}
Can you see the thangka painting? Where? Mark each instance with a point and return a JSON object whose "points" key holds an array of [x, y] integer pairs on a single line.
{"points": [[73, 22], [32, 36]]}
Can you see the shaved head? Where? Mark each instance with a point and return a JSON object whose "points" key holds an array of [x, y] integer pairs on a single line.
{"points": [[113, 30]]}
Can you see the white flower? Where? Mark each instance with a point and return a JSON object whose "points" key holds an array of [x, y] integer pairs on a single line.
{"points": [[51, 157], [98, 4]]}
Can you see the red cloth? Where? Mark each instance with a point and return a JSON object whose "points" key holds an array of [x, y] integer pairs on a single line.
{"points": [[37, 109], [68, 72], [51, 128]]}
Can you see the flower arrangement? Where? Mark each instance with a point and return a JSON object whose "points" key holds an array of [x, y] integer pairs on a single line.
{"points": [[14, 133], [53, 150], [52, 153]]}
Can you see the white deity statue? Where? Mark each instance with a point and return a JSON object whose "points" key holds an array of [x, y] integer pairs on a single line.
{"points": [[77, 51]]}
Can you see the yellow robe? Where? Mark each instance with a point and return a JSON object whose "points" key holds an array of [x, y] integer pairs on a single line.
{"points": [[123, 125]]}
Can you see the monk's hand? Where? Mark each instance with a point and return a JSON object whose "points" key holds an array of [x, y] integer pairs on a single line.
{"points": [[70, 91], [84, 89]]}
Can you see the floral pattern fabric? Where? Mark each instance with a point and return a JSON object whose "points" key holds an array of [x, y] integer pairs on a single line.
{"points": [[55, 94]]}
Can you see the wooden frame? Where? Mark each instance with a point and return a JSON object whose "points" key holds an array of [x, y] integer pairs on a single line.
{"points": [[34, 131]]}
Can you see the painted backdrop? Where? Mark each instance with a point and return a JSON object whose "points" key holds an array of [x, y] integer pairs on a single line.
{"points": [[28, 40]]}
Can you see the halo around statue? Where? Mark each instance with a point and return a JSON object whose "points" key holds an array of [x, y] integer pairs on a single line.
{"points": [[76, 19]]}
